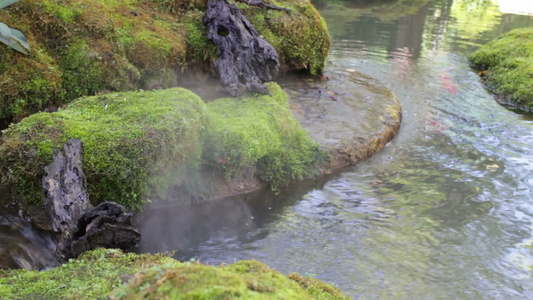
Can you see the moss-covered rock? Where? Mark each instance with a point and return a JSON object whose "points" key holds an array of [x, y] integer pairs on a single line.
{"points": [[101, 273], [507, 65], [81, 47], [159, 144], [127, 137], [260, 129]]}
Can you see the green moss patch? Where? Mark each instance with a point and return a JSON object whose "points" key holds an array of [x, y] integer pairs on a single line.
{"points": [[82, 47], [141, 145], [308, 48], [260, 129], [508, 62], [128, 137], [101, 273]]}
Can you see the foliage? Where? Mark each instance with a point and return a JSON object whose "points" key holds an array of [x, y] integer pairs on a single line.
{"points": [[11, 37], [508, 61], [100, 273]]}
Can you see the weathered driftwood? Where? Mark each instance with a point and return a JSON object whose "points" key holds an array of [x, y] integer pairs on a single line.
{"points": [[105, 225], [245, 60], [81, 226]]}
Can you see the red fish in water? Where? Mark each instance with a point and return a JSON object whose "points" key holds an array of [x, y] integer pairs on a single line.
{"points": [[447, 83], [223, 160]]}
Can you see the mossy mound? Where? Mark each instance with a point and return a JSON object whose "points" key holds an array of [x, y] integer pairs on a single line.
{"points": [[82, 47], [145, 145], [126, 136], [101, 273], [507, 64], [262, 130]]}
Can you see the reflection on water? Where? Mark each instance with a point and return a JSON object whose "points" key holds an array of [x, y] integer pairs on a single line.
{"points": [[445, 211]]}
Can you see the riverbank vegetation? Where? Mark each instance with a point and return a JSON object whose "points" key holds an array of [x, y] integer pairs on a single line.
{"points": [[82, 47], [506, 65], [103, 273], [146, 144]]}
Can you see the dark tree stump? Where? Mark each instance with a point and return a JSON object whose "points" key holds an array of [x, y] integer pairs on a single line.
{"points": [[105, 225], [81, 226], [245, 60], [65, 188]]}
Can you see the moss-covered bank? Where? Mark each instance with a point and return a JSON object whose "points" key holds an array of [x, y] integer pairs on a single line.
{"points": [[161, 144], [82, 47], [507, 65], [105, 272]]}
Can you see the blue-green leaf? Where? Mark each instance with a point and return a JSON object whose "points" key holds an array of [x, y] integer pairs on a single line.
{"points": [[20, 37], [7, 37], [4, 3]]}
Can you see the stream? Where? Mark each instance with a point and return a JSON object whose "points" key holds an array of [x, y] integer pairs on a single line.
{"points": [[445, 211]]}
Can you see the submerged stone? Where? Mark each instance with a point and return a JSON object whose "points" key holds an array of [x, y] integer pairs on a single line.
{"points": [[350, 114]]}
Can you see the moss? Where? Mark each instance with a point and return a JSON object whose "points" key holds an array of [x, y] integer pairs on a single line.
{"points": [[92, 276], [82, 71], [197, 48], [508, 61], [123, 45], [306, 50], [100, 273], [260, 129], [65, 13], [140, 145], [127, 137]]}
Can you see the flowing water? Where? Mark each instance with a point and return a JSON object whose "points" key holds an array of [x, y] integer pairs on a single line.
{"points": [[445, 211]]}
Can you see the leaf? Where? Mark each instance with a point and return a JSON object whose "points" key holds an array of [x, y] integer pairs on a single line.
{"points": [[4, 3], [492, 168], [5, 31], [6, 37], [21, 38]]}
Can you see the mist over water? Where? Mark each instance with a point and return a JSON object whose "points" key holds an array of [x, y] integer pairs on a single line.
{"points": [[445, 211]]}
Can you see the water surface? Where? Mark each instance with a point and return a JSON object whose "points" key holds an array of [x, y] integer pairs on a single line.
{"points": [[445, 211]]}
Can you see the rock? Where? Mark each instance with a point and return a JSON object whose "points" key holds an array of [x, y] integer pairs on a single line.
{"points": [[245, 60]]}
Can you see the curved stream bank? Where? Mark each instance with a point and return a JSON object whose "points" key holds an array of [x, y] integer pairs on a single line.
{"points": [[443, 212]]}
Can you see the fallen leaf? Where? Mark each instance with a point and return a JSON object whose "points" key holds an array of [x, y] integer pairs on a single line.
{"points": [[492, 168]]}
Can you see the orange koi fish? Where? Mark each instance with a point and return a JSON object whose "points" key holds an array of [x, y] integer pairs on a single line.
{"points": [[447, 83]]}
